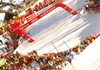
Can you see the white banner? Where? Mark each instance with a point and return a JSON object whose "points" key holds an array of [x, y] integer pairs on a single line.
{"points": [[2, 16]]}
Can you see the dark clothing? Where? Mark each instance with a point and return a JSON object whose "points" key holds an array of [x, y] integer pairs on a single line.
{"points": [[1, 41]]}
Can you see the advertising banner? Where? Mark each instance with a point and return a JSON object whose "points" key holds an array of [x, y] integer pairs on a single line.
{"points": [[71, 11], [30, 17], [40, 15]]}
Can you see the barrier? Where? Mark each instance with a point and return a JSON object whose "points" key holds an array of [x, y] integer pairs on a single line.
{"points": [[19, 29], [34, 15]]}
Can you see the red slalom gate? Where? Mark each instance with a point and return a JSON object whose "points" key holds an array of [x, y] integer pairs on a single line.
{"points": [[29, 39]]}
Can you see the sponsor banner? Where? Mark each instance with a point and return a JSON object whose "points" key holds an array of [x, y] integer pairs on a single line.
{"points": [[67, 8], [41, 11], [37, 17], [47, 11], [40, 16], [30, 17], [19, 30], [27, 24]]}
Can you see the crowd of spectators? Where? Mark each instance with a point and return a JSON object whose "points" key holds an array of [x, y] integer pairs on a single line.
{"points": [[79, 48], [53, 61], [8, 35], [14, 5], [7, 29], [92, 4]]}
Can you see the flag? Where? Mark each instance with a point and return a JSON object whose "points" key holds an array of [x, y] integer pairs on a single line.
{"points": [[2, 62], [2, 24]]}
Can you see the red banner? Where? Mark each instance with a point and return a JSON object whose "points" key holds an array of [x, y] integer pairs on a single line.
{"points": [[71, 11], [28, 11], [37, 18], [18, 30], [46, 12], [30, 17]]}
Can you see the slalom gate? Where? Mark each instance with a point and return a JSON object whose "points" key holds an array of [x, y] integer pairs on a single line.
{"points": [[36, 16]]}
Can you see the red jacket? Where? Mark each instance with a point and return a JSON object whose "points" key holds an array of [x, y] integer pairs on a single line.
{"points": [[40, 5], [36, 7], [44, 1]]}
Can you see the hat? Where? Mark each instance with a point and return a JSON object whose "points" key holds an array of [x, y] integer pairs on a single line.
{"points": [[14, 17]]}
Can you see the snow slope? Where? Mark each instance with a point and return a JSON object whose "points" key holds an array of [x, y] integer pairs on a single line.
{"points": [[59, 26], [89, 59]]}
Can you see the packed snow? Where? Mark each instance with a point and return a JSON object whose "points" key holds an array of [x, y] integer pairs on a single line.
{"points": [[58, 27], [89, 59]]}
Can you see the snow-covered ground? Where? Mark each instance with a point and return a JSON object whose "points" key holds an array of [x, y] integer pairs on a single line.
{"points": [[89, 59], [59, 26]]}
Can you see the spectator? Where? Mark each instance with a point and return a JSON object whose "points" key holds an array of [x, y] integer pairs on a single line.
{"points": [[36, 7], [40, 6], [10, 9]]}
